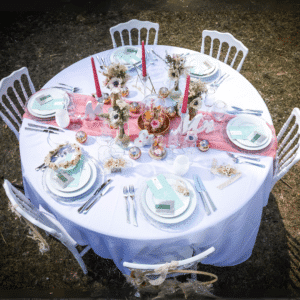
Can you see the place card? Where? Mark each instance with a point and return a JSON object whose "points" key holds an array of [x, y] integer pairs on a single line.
{"points": [[63, 179], [241, 132], [257, 137], [165, 207], [43, 99]]}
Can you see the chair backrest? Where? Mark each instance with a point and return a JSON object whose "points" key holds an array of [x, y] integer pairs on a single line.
{"points": [[181, 263], [225, 38], [134, 24], [25, 208], [288, 152], [12, 114]]}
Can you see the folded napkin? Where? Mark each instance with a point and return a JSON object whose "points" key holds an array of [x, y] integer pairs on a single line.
{"points": [[162, 190], [51, 105], [76, 171], [129, 58], [241, 132]]}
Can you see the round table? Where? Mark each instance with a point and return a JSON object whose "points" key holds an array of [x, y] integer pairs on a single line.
{"points": [[231, 229]]}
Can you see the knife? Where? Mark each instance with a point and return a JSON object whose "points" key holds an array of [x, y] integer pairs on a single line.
{"points": [[246, 109], [45, 130], [80, 210], [40, 126], [206, 193], [105, 189], [236, 112], [198, 188]]}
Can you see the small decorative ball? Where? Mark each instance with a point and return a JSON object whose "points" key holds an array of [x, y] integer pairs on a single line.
{"points": [[134, 107], [203, 145], [125, 91], [106, 99], [163, 92], [171, 111], [135, 153], [81, 137]]}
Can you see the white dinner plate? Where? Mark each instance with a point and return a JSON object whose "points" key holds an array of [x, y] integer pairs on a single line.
{"points": [[127, 55], [50, 183], [248, 120], [185, 200], [55, 93], [202, 65], [162, 219], [85, 176]]}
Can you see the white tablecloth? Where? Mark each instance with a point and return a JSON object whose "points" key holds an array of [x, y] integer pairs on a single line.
{"points": [[232, 229]]}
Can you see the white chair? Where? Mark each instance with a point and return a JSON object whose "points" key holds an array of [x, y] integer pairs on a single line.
{"points": [[12, 113], [134, 24], [288, 152], [43, 220], [225, 38]]}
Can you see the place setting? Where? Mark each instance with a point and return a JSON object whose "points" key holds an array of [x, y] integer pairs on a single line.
{"points": [[70, 175]]}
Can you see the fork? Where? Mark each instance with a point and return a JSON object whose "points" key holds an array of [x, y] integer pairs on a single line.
{"points": [[131, 192], [218, 82], [246, 157], [74, 88], [237, 161], [125, 193]]}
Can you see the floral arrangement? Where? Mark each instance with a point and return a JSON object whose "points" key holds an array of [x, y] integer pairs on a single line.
{"points": [[114, 165], [182, 188], [154, 117], [65, 164], [176, 68], [116, 75], [196, 89]]}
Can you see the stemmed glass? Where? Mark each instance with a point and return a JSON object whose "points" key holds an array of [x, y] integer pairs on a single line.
{"points": [[172, 143]]}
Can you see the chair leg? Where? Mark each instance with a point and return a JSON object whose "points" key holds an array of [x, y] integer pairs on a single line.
{"points": [[79, 259]]}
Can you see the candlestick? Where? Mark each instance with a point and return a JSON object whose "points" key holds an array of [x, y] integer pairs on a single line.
{"points": [[186, 95], [98, 91], [143, 60]]}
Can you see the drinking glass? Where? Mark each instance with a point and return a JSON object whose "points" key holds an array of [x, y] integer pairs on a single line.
{"points": [[181, 165], [210, 97], [219, 110]]}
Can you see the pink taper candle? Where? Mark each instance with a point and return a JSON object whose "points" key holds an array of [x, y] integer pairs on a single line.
{"points": [[186, 95], [144, 60], [98, 91]]}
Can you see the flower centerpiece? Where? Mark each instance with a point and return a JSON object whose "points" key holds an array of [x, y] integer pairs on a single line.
{"points": [[116, 79], [176, 69], [154, 119], [196, 89]]}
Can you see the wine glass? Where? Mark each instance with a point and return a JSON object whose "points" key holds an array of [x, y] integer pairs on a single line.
{"points": [[210, 97]]}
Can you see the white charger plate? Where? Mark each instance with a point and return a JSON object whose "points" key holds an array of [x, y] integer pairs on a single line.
{"points": [[203, 65], [249, 120], [116, 56], [183, 216], [55, 93], [185, 200], [50, 183]]}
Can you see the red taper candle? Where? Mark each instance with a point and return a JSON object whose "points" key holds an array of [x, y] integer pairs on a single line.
{"points": [[144, 60], [98, 91], [186, 95]]}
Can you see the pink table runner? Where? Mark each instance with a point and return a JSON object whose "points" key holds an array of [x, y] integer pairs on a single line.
{"points": [[218, 139]]}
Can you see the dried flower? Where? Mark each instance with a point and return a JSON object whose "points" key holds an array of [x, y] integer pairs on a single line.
{"points": [[155, 124]]}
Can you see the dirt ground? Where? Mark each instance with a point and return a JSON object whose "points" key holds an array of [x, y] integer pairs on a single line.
{"points": [[51, 39]]}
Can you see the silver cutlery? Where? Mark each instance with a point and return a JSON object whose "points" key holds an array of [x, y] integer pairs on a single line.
{"points": [[66, 88], [199, 190], [74, 88], [220, 80], [40, 130], [203, 188], [88, 202], [131, 192], [158, 55], [246, 157], [236, 112], [43, 165], [237, 161], [45, 127], [104, 191], [101, 63], [246, 109], [125, 193]]}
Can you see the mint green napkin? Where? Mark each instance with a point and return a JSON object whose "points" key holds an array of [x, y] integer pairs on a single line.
{"points": [[128, 57], [163, 191], [51, 105], [241, 132], [76, 171]]}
